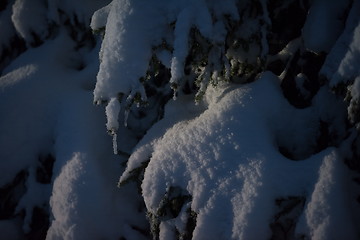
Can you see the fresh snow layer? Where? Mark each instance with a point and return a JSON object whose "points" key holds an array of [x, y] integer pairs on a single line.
{"points": [[46, 108], [126, 48], [23, 11], [325, 215], [340, 65], [323, 24], [133, 29], [347, 70], [33, 19], [340, 62], [224, 151], [112, 111], [226, 158]]}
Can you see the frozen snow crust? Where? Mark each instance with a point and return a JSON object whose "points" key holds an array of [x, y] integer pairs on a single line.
{"points": [[260, 140]]}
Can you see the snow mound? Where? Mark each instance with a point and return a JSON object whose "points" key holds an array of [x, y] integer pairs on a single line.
{"points": [[324, 24], [338, 66], [325, 214], [163, 31], [347, 71], [46, 108], [212, 170], [23, 10], [226, 158]]}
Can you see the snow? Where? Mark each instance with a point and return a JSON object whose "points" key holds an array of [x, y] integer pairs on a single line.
{"points": [[287, 53], [99, 18], [164, 57], [326, 215], [339, 66], [18, 75], [181, 32], [346, 70], [290, 49], [44, 13], [84, 206], [224, 153], [324, 24], [23, 10], [166, 231], [126, 51], [46, 107], [227, 159], [112, 111]]}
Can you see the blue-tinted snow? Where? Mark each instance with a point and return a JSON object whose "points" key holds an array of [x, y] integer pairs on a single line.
{"points": [[227, 158]]}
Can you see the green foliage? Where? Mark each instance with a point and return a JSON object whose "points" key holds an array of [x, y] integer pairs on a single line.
{"points": [[175, 202], [199, 96], [172, 203], [136, 175], [99, 31], [154, 224]]}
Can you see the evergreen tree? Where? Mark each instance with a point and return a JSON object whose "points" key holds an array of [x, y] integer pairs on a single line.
{"points": [[230, 119]]}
